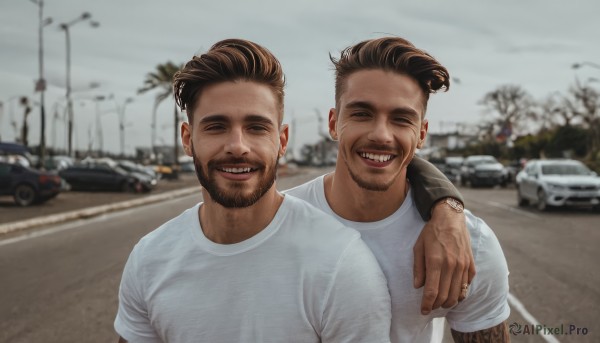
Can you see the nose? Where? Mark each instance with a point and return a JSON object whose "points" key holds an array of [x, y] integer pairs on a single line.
{"points": [[380, 132], [237, 144]]}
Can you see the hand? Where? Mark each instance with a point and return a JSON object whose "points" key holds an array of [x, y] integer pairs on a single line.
{"points": [[443, 259]]}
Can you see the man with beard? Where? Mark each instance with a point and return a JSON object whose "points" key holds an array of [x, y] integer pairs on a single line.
{"points": [[248, 264], [381, 93]]}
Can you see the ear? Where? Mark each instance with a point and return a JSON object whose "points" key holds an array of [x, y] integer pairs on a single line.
{"points": [[186, 138], [423, 133], [333, 124], [283, 139]]}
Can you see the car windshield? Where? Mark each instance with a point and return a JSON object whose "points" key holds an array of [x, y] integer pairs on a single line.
{"points": [[565, 169], [483, 160]]}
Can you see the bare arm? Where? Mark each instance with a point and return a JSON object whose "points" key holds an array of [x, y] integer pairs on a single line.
{"points": [[498, 333], [442, 253]]}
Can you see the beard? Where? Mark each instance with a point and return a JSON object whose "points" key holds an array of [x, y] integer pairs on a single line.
{"points": [[235, 197]]}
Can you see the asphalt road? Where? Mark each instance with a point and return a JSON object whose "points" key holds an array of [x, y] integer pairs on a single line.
{"points": [[60, 283]]}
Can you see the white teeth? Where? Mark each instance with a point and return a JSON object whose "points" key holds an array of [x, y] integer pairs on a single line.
{"points": [[374, 157], [236, 170]]}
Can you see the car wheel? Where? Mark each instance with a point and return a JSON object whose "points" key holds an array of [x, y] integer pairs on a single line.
{"points": [[463, 181], [24, 195], [125, 187], [521, 201], [541, 201]]}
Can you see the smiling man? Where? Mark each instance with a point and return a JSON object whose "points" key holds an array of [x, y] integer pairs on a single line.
{"points": [[248, 264], [382, 89]]}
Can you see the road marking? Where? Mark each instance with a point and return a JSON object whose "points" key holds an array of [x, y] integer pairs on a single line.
{"points": [[517, 305], [514, 210], [77, 223]]}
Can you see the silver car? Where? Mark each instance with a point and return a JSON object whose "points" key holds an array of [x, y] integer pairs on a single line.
{"points": [[549, 183]]}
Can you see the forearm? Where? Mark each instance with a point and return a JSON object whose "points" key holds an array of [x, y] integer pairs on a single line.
{"points": [[498, 333], [429, 186]]}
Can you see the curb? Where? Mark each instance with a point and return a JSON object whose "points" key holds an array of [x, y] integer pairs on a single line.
{"points": [[92, 211]]}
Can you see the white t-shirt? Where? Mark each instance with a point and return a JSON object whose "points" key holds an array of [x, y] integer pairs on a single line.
{"points": [[304, 278], [392, 240]]}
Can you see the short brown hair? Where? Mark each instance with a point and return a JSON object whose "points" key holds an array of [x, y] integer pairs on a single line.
{"points": [[228, 60], [393, 54]]}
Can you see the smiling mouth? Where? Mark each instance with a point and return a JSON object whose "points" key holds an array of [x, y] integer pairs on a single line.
{"points": [[237, 170], [376, 157]]}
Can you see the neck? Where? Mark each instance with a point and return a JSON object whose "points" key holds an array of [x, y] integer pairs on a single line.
{"points": [[352, 202], [233, 225]]}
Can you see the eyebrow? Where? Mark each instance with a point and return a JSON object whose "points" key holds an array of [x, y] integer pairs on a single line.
{"points": [[367, 105], [250, 118]]}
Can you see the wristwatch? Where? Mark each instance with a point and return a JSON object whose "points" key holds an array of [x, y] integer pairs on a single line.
{"points": [[454, 204]]}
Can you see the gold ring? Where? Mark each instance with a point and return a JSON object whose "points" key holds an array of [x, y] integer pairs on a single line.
{"points": [[463, 290]]}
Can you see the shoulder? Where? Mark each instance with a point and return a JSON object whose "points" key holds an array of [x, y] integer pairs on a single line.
{"points": [[314, 222], [484, 242], [169, 234], [308, 191], [486, 304]]}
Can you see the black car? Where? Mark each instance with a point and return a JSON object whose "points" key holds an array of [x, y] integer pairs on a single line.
{"points": [[26, 185], [482, 170], [103, 177]]}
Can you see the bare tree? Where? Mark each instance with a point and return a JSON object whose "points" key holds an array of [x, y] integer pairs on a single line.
{"points": [[511, 107], [586, 106]]}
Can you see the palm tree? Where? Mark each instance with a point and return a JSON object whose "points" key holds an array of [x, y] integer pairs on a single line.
{"points": [[162, 79]]}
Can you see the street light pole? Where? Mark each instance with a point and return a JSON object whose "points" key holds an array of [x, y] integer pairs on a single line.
{"points": [[40, 85], [65, 27], [121, 114]]}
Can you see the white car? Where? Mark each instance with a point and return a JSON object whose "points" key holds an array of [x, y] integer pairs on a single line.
{"points": [[548, 183]]}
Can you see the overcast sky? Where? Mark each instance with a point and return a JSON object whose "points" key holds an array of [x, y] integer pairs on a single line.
{"points": [[484, 44]]}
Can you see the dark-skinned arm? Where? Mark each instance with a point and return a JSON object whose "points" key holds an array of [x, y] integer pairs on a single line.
{"points": [[442, 253], [498, 333]]}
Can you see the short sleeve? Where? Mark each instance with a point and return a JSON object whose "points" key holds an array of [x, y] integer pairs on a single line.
{"points": [[132, 321], [357, 307], [486, 304]]}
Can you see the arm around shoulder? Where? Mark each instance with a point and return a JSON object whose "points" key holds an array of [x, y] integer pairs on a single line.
{"points": [[429, 186], [357, 306]]}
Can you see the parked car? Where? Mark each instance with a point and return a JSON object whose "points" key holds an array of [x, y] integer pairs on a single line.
{"points": [[28, 186], [452, 166], [482, 170], [133, 167], [104, 176], [549, 183]]}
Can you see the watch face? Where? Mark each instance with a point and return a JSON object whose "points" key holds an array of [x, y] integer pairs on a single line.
{"points": [[457, 206]]}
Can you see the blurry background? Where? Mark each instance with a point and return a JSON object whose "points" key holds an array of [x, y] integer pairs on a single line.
{"points": [[541, 49]]}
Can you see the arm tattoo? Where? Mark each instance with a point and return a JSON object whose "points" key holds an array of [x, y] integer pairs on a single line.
{"points": [[498, 333]]}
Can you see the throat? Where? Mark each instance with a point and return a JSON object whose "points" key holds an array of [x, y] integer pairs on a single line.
{"points": [[357, 204]]}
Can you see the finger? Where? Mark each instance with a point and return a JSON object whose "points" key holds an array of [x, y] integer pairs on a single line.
{"points": [[472, 270], [432, 283], [455, 286], [444, 285], [419, 264], [465, 278], [459, 278]]}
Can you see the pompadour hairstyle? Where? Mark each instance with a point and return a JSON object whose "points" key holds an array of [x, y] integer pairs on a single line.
{"points": [[228, 60], [392, 54]]}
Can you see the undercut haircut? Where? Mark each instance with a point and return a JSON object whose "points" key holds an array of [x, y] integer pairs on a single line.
{"points": [[393, 54], [229, 60]]}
